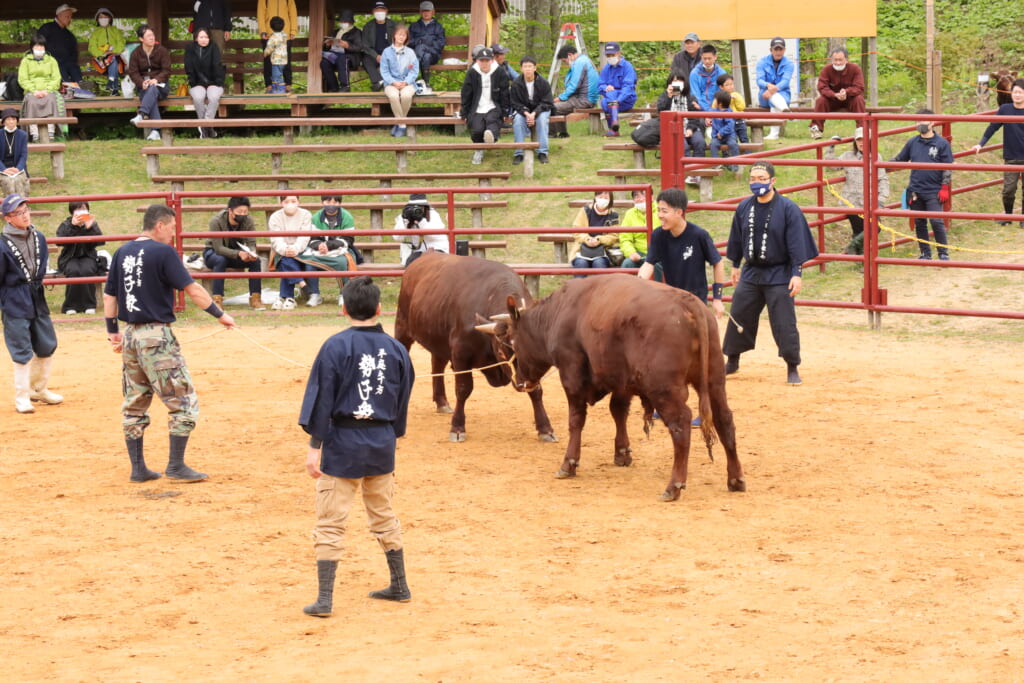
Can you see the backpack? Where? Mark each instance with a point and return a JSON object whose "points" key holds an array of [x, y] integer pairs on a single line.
{"points": [[13, 91], [648, 133]]}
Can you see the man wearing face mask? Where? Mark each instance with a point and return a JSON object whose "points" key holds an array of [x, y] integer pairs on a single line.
{"points": [[62, 44], [376, 38], [841, 87], [239, 252], [771, 238], [617, 86], [928, 189], [342, 53]]}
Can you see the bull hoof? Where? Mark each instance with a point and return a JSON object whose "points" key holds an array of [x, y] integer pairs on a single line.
{"points": [[737, 485], [547, 438], [444, 410], [624, 459], [562, 474], [456, 437], [671, 493]]}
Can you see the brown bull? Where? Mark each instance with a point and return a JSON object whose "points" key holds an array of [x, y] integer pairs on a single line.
{"points": [[619, 335], [439, 306]]}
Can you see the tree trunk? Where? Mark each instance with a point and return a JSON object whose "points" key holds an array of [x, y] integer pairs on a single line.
{"points": [[542, 24]]}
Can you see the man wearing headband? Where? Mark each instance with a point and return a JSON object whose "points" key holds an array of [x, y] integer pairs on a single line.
{"points": [[771, 237]]}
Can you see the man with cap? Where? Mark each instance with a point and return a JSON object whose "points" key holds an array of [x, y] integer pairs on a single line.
{"points": [[28, 330], [376, 38], [62, 44], [13, 155], [486, 97], [771, 238], [840, 86], [687, 58], [427, 39], [580, 89], [501, 63], [342, 53], [617, 86], [774, 75]]}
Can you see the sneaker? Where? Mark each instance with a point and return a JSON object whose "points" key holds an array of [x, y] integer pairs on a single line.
{"points": [[732, 365], [478, 156], [543, 158], [517, 159], [211, 132], [90, 311], [924, 257], [153, 135], [314, 300], [394, 130], [71, 311], [400, 132], [943, 257], [202, 133], [135, 119], [1004, 223], [696, 422], [692, 180], [488, 136], [277, 305], [288, 305], [815, 133], [792, 376], [611, 133]]}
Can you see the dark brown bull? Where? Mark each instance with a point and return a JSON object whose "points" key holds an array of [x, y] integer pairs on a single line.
{"points": [[438, 307], [1003, 80], [619, 335]]}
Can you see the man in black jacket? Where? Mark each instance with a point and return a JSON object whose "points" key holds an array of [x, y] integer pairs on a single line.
{"points": [[342, 53], [376, 37], [485, 99], [62, 44], [532, 103]]}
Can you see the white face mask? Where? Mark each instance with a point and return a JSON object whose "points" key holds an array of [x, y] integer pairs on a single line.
{"points": [[601, 203], [38, 53], [291, 208], [346, 28], [103, 21], [11, 128], [838, 67], [380, 16], [613, 60], [641, 207]]}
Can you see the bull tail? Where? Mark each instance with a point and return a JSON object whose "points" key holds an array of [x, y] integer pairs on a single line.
{"points": [[707, 426]]}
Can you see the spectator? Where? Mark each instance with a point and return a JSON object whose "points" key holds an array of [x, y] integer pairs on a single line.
{"points": [[284, 251], [617, 86], [215, 17], [63, 45], [277, 51], [13, 155], [1013, 146], [532, 102], [580, 88], [419, 215], [774, 76], [106, 45], [704, 79], [501, 63], [736, 102], [79, 259], [590, 248], [334, 252], [378, 34], [149, 68], [634, 244], [485, 99], [39, 77], [427, 39], [676, 97], [841, 86], [853, 188], [687, 58], [206, 74], [398, 68], [266, 10], [723, 131], [239, 252], [928, 189], [342, 54]]}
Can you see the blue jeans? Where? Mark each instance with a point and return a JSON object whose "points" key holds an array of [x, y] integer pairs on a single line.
{"points": [[521, 131], [220, 264], [290, 265], [112, 73], [149, 101], [929, 203], [599, 262], [732, 145], [695, 145], [277, 78]]}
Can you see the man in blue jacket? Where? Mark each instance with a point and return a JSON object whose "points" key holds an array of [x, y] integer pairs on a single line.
{"points": [[427, 39], [617, 87], [928, 189], [774, 74], [704, 78], [579, 89]]}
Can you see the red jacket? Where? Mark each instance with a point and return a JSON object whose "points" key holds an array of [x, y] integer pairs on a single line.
{"points": [[831, 81]]}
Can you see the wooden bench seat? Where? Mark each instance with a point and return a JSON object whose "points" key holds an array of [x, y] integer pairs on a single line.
{"points": [[596, 116], [367, 248], [483, 178], [56, 150]]}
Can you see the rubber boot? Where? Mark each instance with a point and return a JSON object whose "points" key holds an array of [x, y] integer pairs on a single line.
{"points": [[39, 374], [792, 376], [325, 570], [22, 389], [773, 133], [398, 591], [176, 467], [732, 364], [613, 117], [140, 472]]}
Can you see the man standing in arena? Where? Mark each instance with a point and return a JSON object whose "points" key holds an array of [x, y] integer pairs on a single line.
{"points": [[770, 234], [140, 292], [355, 407]]}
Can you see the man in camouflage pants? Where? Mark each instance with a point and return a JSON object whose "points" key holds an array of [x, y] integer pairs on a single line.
{"points": [[140, 292]]}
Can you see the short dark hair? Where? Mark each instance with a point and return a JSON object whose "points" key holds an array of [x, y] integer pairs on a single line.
{"points": [[839, 48], [926, 111], [529, 59], [723, 99], [38, 39], [723, 78], [566, 51], [201, 29], [277, 23], [674, 197], [709, 48], [75, 206], [1019, 83], [634, 193], [156, 213], [335, 197], [362, 297], [611, 196], [141, 30], [236, 202]]}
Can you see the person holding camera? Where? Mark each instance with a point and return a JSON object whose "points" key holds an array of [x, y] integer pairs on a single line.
{"points": [[417, 215], [79, 259], [676, 97], [596, 248]]}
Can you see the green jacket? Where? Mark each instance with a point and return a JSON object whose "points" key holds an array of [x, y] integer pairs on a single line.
{"points": [[39, 74], [347, 222], [106, 38], [631, 242]]}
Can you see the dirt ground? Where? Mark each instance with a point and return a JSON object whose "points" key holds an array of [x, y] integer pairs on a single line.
{"points": [[881, 537]]}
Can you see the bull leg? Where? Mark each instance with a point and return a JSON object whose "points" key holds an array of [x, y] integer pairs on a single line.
{"points": [[577, 418], [437, 365], [463, 388], [726, 429], [540, 417], [619, 407], [677, 419]]}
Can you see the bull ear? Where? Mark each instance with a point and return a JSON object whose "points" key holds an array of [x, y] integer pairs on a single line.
{"points": [[502, 318], [489, 328], [512, 310]]}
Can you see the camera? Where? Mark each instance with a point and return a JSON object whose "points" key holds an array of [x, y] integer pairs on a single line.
{"points": [[677, 87], [414, 213]]}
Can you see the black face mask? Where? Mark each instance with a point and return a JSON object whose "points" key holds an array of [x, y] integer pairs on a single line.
{"points": [[332, 210]]}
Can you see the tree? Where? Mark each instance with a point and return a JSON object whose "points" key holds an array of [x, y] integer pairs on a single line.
{"points": [[542, 25]]}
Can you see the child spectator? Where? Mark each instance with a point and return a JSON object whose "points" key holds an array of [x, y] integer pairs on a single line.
{"points": [[726, 83], [723, 131], [277, 50]]}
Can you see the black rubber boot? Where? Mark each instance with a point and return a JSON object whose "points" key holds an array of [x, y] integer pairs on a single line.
{"points": [[398, 591], [140, 472], [792, 376], [732, 364], [176, 467], [325, 570]]}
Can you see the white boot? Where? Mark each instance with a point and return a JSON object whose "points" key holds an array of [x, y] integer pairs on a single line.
{"points": [[22, 402], [773, 133], [40, 374]]}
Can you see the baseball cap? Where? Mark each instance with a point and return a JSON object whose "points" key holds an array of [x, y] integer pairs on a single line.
{"points": [[499, 49], [691, 36], [778, 42], [418, 199], [11, 202], [65, 7], [858, 134], [611, 47], [486, 53], [426, 6], [380, 5]]}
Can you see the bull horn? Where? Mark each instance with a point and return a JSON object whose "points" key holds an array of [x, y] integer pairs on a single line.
{"points": [[489, 328], [502, 318], [522, 304]]}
